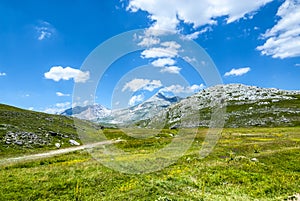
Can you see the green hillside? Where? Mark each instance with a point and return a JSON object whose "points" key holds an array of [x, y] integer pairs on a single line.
{"points": [[254, 163], [24, 131]]}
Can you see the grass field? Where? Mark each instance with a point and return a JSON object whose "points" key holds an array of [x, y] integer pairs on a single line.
{"points": [[230, 172]]}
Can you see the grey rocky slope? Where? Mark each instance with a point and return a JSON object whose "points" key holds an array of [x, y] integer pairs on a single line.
{"points": [[245, 106], [143, 111]]}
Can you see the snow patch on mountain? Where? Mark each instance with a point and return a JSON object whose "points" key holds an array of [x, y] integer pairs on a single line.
{"points": [[89, 112]]}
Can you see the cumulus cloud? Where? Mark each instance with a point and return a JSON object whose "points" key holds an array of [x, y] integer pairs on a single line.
{"points": [[171, 45], [161, 62], [58, 73], [149, 41], [63, 105], [237, 72], [196, 34], [44, 30], [2, 74], [61, 94], [164, 56], [166, 15], [158, 52], [171, 69], [179, 89], [57, 108], [145, 84], [167, 49], [283, 40], [136, 99]]}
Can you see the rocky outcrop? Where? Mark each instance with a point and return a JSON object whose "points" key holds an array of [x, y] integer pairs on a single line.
{"points": [[25, 139], [30, 139], [246, 106]]}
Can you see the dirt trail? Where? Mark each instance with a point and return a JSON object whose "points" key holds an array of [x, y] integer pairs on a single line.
{"points": [[54, 152]]}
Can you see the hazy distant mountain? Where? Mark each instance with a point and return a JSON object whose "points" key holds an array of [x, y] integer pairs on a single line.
{"points": [[145, 110], [89, 112]]}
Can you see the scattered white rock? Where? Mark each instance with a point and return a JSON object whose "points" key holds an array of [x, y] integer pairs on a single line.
{"points": [[57, 145], [73, 142], [254, 159], [263, 103], [295, 197]]}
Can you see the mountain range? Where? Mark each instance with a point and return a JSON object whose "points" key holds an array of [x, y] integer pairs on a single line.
{"points": [[242, 106], [245, 106], [126, 116]]}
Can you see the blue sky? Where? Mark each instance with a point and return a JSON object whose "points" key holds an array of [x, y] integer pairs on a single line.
{"points": [[43, 45]]}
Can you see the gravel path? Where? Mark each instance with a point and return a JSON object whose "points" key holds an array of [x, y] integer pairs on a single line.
{"points": [[54, 152]]}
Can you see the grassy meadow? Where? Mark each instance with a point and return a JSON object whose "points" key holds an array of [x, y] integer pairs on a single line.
{"points": [[246, 164]]}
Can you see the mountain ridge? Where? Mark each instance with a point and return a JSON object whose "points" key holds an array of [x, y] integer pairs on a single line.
{"points": [[142, 111], [233, 94], [245, 106]]}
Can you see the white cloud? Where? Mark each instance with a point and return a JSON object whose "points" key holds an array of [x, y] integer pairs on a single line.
{"points": [[44, 30], [297, 65], [171, 69], [136, 99], [166, 15], [179, 89], [283, 40], [168, 49], [237, 72], [58, 108], [149, 41], [58, 73], [61, 94], [161, 62], [2, 74], [195, 34], [153, 85], [63, 105], [172, 45], [196, 88], [137, 84], [190, 60], [158, 52], [192, 36], [31, 108]]}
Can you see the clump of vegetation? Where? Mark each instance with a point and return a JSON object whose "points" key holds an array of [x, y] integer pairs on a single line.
{"points": [[256, 148]]}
